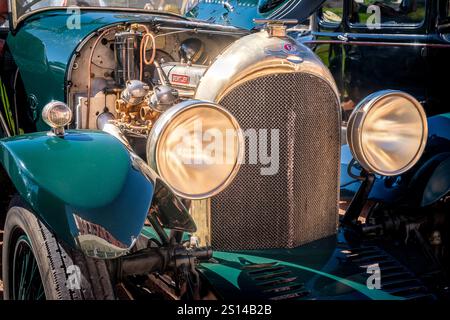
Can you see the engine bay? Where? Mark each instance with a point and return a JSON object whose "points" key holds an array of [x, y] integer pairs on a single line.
{"points": [[128, 75]]}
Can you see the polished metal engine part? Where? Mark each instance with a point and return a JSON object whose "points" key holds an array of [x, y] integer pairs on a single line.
{"points": [[192, 50], [163, 98], [184, 75], [99, 103], [127, 50], [103, 119], [129, 107]]}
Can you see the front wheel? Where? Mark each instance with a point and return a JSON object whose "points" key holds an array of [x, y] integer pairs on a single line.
{"points": [[35, 265]]}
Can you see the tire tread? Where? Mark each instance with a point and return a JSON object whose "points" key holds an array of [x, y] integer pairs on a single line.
{"points": [[95, 277]]}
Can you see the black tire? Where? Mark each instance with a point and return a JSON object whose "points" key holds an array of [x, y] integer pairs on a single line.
{"points": [[54, 261]]}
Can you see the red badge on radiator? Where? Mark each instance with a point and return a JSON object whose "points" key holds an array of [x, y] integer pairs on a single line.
{"points": [[179, 78]]}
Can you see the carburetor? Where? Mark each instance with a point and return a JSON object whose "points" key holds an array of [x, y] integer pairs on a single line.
{"points": [[138, 107], [133, 98]]}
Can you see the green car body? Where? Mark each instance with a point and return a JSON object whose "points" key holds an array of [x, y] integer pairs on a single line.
{"points": [[84, 174]]}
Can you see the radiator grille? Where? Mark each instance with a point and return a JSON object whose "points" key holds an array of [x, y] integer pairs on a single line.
{"points": [[299, 203]]}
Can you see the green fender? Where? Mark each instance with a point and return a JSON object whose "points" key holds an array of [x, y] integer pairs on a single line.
{"points": [[86, 186]]}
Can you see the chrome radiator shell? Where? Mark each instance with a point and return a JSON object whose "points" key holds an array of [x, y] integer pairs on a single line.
{"points": [[275, 83]]}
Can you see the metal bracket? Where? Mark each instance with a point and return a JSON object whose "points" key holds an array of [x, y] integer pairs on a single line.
{"points": [[360, 198]]}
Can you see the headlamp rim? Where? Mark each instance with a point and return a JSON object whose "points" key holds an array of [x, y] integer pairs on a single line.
{"points": [[356, 123], [162, 124]]}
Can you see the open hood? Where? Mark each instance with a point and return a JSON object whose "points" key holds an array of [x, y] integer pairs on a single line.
{"points": [[240, 13]]}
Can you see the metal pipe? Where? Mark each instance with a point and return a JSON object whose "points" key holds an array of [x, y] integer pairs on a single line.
{"points": [[198, 24], [143, 49], [181, 30], [78, 115], [162, 75]]}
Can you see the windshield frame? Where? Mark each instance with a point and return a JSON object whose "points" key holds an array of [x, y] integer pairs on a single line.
{"points": [[14, 20]]}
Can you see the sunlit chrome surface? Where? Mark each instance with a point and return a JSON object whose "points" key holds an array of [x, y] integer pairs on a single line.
{"points": [[57, 115], [387, 132], [255, 56], [179, 150], [276, 27]]}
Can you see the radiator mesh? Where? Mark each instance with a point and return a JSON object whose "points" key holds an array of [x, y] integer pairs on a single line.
{"points": [[299, 203]]}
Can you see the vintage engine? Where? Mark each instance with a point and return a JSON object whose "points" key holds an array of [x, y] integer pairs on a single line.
{"points": [[127, 52], [138, 106], [185, 77], [129, 84], [140, 103]]}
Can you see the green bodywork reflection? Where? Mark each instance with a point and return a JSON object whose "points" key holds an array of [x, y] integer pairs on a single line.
{"points": [[232, 274], [319, 270], [85, 174], [80, 161]]}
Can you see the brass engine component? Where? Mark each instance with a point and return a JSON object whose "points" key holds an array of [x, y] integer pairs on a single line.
{"points": [[148, 114], [138, 107], [126, 111], [138, 118], [133, 108]]}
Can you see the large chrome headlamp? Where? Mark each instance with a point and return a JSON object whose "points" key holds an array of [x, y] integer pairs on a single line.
{"points": [[197, 148], [387, 132]]}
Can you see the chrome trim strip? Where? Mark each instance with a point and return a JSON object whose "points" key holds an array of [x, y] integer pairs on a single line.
{"points": [[379, 44]]}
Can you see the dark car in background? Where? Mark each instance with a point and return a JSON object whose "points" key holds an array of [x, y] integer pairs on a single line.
{"points": [[371, 45]]}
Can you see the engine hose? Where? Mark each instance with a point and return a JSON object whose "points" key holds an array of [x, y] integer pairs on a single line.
{"points": [[143, 49]]}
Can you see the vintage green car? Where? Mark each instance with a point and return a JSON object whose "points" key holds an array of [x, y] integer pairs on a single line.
{"points": [[148, 155]]}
